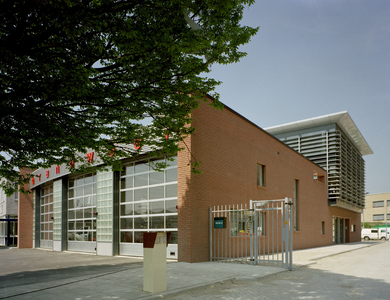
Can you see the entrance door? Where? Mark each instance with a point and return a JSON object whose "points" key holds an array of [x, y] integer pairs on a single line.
{"points": [[346, 230], [340, 230]]}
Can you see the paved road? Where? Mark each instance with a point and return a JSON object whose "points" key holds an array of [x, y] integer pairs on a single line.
{"points": [[351, 271], [23, 267], [23, 271], [360, 274]]}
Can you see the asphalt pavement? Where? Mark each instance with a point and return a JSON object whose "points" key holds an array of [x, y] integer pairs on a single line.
{"points": [[42, 274]]}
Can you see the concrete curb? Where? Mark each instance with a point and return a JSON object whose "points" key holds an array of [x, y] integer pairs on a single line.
{"points": [[334, 254]]}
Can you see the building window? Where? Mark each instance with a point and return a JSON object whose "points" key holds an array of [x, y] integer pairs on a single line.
{"points": [[318, 177], [334, 236], [2, 229], [378, 203], [378, 217], [296, 205], [16, 194], [388, 203], [260, 175], [322, 227], [353, 228]]}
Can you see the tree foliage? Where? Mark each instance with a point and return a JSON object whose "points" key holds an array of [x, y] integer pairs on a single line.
{"points": [[78, 75], [367, 225]]}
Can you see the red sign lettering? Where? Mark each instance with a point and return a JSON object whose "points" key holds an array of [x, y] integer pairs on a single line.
{"points": [[137, 144], [47, 173], [90, 157], [166, 134], [33, 180], [71, 164], [111, 152], [57, 169], [39, 177]]}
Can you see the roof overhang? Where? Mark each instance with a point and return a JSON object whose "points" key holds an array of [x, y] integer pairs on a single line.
{"points": [[342, 119]]}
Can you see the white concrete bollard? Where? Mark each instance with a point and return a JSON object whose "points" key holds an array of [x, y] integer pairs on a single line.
{"points": [[155, 262]]}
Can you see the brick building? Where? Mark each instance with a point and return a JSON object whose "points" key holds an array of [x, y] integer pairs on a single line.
{"points": [[107, 212]]}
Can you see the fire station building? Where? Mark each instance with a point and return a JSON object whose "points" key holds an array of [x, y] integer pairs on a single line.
{"points": [[107, 212]]}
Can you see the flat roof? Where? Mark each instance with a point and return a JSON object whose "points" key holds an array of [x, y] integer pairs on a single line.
{"points": [[342, 119]]}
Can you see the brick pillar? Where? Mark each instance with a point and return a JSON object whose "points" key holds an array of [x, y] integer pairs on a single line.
{"points": [[25, 215]]}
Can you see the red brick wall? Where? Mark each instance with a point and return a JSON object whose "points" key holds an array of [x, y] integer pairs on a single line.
{"points": [[25, 216], [229, 148]]}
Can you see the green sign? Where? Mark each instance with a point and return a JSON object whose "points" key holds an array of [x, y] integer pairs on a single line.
{"points": [[219, 222]]}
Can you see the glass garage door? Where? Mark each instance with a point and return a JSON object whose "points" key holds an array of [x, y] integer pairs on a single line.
{"points": [[46, 204], [81, 213], [148, 202]]}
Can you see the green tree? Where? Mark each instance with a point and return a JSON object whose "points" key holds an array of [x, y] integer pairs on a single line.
{"points": [[78, 75], [367, 225]]}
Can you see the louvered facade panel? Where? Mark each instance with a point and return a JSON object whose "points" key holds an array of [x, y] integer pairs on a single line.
{"points": [[331, 150]]}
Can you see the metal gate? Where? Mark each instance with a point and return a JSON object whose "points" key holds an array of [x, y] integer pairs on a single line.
{"points": [[260, 234]]}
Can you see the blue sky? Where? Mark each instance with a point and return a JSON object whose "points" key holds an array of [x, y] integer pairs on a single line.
{"points": [[315, 57]]}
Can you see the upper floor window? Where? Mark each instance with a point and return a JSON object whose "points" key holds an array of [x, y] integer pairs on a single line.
{"points": [[16, 194], [378, 203], [260, 175], [380, 217], [296, 205], [319, 177]]}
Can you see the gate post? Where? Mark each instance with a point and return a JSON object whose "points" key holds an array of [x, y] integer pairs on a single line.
{"points": [[211, 233], [287, 231], [289, 204], [251, 236]]}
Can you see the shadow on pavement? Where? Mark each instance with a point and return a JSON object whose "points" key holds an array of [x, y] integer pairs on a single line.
{"points": [[303, 283], [22, 267], [50, 275]]}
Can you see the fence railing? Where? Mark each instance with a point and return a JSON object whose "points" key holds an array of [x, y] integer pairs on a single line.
{"points": [[258, 234]]}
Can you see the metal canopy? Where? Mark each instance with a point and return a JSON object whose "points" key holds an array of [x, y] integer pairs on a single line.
{"points": [[342, 119]]}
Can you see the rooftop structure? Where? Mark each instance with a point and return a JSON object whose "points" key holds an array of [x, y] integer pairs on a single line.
{"points": [[334, 143]]}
